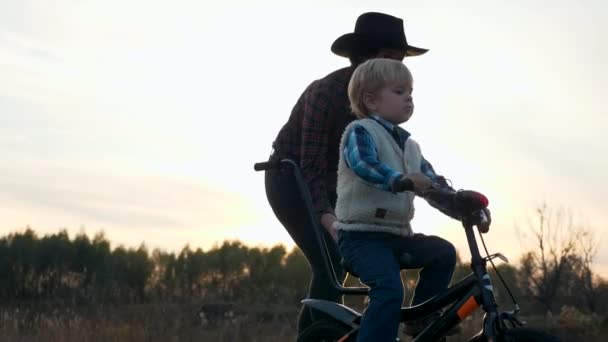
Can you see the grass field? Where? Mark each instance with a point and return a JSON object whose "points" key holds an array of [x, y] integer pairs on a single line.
{"points": [[184, 322]]}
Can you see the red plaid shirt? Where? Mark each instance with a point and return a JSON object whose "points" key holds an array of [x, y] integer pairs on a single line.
{"points": [[312, 135]]}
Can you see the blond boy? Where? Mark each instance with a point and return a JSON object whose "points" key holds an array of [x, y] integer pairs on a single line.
{"points": [[380, 171]]}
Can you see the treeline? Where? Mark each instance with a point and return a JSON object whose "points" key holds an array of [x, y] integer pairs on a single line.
{"points": [[85, 270]]}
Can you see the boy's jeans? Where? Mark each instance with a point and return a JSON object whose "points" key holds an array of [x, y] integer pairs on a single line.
{"points": [[374, 256]]}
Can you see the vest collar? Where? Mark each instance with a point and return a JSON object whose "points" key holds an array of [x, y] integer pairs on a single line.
{"points": [[399, 134]]}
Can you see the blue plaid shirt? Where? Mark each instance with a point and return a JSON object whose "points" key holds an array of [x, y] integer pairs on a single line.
{"points": [[361, 156]]}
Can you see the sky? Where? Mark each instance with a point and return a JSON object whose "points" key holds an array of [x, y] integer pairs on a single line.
{"points": [[143, 119]]}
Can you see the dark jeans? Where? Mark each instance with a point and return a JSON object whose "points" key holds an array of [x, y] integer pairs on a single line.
{"points": [[374, 257], [286, 202]]}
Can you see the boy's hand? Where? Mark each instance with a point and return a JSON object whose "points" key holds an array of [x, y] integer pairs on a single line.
{"points": [[421, 182]]}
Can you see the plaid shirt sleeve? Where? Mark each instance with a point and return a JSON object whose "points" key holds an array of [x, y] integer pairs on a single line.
{"points": [[440, 182], [315, 136], [361, 156]]}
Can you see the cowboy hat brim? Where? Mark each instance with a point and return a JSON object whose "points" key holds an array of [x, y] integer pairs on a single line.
{"points": [[346, 44]]}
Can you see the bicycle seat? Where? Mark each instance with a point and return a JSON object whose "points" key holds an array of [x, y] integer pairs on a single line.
{"points": [[406, 261]]}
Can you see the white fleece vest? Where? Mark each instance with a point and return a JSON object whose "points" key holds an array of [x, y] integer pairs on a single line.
{"points": [[362, 207]]}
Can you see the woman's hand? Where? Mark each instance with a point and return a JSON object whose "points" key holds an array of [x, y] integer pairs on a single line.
{"points": [[328, 220]]}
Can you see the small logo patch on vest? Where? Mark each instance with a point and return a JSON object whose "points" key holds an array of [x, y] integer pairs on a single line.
{"points": [[380, 213]]}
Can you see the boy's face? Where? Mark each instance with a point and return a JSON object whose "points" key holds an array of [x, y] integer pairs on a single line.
{"points": [[393, 102]]}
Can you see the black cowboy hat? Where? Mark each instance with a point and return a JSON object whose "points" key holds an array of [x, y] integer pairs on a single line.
{"points": [[375, 30]]}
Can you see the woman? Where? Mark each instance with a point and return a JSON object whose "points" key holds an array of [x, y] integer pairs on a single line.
{"points": [[311, 137]]}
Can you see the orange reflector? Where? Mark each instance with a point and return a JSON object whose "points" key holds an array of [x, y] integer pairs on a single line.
{"points": [[344, 338], [467, 308]]}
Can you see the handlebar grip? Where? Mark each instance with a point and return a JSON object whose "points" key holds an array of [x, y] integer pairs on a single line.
{"points": [[267, 165]]}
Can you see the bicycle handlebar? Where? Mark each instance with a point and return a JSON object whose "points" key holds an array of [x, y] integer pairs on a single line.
{"points": [[267, 165], [471, 201], [463, 200], [467, 202]]}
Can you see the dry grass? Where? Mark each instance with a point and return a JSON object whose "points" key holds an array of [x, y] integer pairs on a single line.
{"points": [[183, 322], [148, 322]]}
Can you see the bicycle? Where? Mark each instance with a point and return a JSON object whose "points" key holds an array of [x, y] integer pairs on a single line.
{"points": [[473, 292]]}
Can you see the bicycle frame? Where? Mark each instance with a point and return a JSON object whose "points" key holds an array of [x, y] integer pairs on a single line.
{"points": [[466, 295]]}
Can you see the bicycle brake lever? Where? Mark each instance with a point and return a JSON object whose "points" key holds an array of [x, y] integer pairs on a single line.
{"points": [[496, 255], [511, 316]]}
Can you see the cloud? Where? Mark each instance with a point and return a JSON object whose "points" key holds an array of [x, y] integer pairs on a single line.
{"points": [[116, 209], [573, 163], [22, 46], [83, 196]]}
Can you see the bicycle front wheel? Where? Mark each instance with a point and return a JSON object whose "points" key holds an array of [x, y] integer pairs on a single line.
{"points": [[325, 331], [524, 334]]}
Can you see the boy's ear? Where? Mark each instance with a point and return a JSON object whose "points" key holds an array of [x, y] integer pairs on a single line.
{"points": [[369, 100]]}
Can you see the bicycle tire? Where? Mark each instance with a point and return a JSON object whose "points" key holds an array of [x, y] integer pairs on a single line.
{"points": [[525, 334], [324, 331]]}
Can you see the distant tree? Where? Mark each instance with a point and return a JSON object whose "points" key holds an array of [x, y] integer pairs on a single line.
{"points": [[83, 259], [226, 268], [265, 275], [8, 274], [54, 259], [21, 258], [602, 297], [190, 268], [100, 262], [161, 283], [561, 259], [588, 282], [510, 275], [296, 275]]}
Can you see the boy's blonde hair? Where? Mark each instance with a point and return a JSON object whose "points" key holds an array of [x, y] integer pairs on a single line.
{"points": [[370, 77]]}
